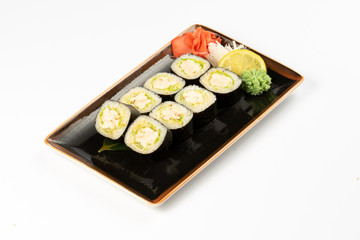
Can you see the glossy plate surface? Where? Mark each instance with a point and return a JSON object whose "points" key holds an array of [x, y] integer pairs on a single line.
{"points": [[155, 181]]}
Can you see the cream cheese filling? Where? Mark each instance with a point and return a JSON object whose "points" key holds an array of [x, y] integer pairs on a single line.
{"points": [[163, 82], [193, 97], [140, 101], [170, 113], [146, 136], [220, 80], [110, 118], [189, 67]]}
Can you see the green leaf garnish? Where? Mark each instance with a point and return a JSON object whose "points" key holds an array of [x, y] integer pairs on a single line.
{"points": [[113, 145]]}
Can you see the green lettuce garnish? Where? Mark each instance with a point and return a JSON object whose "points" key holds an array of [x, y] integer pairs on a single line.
{"points": [[255, 81], [113, 145]]}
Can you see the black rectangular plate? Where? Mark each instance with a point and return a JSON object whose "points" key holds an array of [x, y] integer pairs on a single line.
{"points": [[154, 180]]}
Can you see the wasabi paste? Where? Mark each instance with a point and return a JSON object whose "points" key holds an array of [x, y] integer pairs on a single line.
{"points": [[255, 81]]}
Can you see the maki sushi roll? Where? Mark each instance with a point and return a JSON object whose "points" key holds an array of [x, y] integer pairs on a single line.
{"points": [[189, 66], [165, 84], [148, 136], [175, 117], [224, 83], [113, 118], [199, 100], [141, 99]]}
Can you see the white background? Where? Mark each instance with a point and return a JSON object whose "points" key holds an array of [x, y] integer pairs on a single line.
{"points": [[295, 175]]}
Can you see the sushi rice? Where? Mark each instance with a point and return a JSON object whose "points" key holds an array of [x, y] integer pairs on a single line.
{"points": [[190, 66], [172, 115], [141, 99], [220, 80], [195, 98], [146, 135], [164, 83]]}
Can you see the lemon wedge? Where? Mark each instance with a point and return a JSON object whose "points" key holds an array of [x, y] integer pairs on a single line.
{"points": [[241, 59]]}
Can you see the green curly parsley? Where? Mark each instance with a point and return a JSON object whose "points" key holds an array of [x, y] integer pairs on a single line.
{"points": [[255, 81]]}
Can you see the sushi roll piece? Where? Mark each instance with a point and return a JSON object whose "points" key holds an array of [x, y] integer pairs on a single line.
{"points": [[148, 136], [189, 66], [165, 84], [175, 117], [141, 99], [113, 119], [224, 83], [199, 100]]}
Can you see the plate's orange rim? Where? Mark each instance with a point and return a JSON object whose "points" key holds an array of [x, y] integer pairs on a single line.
{"points": [[180, 183]]}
